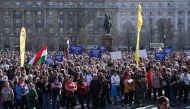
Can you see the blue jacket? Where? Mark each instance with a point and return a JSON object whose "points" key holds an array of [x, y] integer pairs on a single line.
{"points": [[19, 91]]}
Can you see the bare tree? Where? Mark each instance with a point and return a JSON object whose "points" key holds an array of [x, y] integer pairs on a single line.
{"points": [[128, 34], [149, 30], [165, 31], [78, 20], [182, 40]]}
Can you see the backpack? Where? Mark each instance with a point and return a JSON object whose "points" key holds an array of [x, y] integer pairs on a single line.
{"points": [[56, 91]]}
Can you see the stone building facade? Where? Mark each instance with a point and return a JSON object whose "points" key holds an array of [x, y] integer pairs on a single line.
{"points": [[49, 22]]}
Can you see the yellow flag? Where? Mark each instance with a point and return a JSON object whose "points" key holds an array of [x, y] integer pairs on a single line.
{"points": [[22, 46], [139, 23]]}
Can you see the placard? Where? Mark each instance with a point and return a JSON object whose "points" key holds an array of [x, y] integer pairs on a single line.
{"points": [[116, 55], [58, 58], [48, 61], [168, 51], [160, 56], [76, 50], [95, 53], [156, 45], [142, 53], [102, 48]]}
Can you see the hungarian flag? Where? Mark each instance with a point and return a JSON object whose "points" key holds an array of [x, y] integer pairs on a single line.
{"points": [[67, 47], [40, 57]]}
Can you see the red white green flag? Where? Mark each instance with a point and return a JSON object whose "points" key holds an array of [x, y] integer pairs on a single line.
{"points": [[67, 47], [40, 57]]}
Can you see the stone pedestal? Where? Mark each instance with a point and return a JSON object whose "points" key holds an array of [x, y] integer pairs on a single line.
{"points": [[107, 40]]}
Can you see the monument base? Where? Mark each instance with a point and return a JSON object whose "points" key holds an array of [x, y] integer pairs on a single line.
{"points": [[107, 41]]}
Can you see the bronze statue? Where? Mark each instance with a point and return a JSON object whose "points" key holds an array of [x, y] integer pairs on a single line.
{"points": [[107, 24]]}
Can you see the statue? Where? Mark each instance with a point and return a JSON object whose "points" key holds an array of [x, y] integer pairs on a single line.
{"points": [[107, 24]]}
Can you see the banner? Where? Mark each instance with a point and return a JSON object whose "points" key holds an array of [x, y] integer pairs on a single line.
{"points": [[58, 58], [156, 45], [116, 55], [95, 53], [160, 56], [76, 50], [48, 61], [168, 51], [102, 48], [142, 53], [22, 45]]}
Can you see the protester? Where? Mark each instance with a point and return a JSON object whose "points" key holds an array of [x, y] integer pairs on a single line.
{"points": [[56, 87], [7, 96], [70, 87], [21, 91], [32, 94]]}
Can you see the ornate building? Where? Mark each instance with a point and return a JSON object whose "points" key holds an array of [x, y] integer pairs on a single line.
{"points": [[51, 21], [176, 11]]}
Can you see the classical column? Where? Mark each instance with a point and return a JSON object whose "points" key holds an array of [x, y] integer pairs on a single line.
{"points": [[186, 20], [56, 22], [176, 20], [45, 22]]}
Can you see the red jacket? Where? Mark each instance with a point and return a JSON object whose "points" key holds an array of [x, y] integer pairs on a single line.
{"points": [[82, 90], [148, 77]]}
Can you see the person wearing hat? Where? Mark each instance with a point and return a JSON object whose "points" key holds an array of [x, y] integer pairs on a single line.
{"points": [[95, 90]]}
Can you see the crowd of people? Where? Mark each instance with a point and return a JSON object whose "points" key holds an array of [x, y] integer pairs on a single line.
{"points": [[86, 80]]}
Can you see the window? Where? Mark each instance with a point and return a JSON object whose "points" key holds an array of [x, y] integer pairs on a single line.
{"points": [[61, 21], [50, 21], [123, 20], [50, 13], [39, 13], [90, 3], [70, 3], [179, 12], [179, 29], [39, 21], [29, 30], [188, 20], [169, 13], [100, 21], [28, 3], [61, 30], [188, 12], [17, 3], [122, 13], [71, 13], [159, 13], [28, 13], [180, 22], [91, 29], [151, 13], [159, 4], [28, 21], [169, 20], [71, 29], [50, 30], [150, 4], [17, 20], [168, 4], [39, 30], [51, 3], [132, 5], [61, 13], [39, 3], [80, 3], [123, 4]]}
